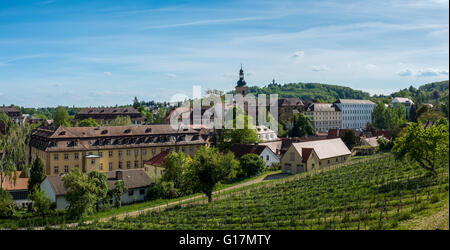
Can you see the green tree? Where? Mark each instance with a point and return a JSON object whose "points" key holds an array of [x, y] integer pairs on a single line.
{"points": [[424, 146], [174, 168], [121, 121], [7, 207], [136, 103], [101, 188], [119, 189], [210, 167], [83, 192], [89, 122], [61, 117], [350, 139], [302, 126], [252, 164], [12, 145], [37, 174], [384, 144], [41, 202], [233, 134]]}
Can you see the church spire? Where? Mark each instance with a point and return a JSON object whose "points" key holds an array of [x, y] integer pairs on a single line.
{"points": [[241, 81]]}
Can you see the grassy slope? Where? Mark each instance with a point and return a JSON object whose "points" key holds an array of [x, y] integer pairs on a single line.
{"points": [[365, 195]]}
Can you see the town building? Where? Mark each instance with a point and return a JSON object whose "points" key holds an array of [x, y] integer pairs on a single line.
{"points": [[266, 134], [105, 115], [306, 156], [107, 148], [18, 188], [264, 152], [13, 113], [355, 114], [324, 116], [137, 183], [405, 102], [155, 166]]}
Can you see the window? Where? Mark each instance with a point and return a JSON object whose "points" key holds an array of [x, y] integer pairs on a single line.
{"points": [[93, 161], [66, 156], [267, 157], [144, 151], [76, 155], [101, 166], [136, 152], [110, 166], [55, 169], [136, 164], [153, 151], [120, 153], [120, 164], [190, 149], [142, 191], [66, 169], [128, 152], [55, 156], [130, 192], [328, 161], [128, 164], [110, 154], [292, 156], [100, 154], [76, 166]]}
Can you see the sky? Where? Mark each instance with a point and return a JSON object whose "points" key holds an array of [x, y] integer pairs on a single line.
{"points": [[103, 53]]}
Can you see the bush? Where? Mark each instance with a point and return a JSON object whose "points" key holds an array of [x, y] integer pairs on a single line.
{"points": [[7, 206], [162, 189], [41, 202], [252, 164]]}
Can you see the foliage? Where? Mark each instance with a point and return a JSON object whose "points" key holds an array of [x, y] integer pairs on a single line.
{"points": [[210, 167], [302, 126], [388, 117], [84, 192], [37, 174], [174, 167], [252, 164], [162, 189], [426, 146], [61, 117], [384, 144], [121, 121], [12, 145], [89, 122], [232, 133], [310, 91], [350, 139], [41, 201], [118, 190], [7, 207]]}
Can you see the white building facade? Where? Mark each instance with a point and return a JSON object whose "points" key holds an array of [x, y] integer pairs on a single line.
{"points": [[355, 114]]}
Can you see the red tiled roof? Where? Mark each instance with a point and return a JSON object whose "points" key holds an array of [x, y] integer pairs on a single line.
{"points": [[21, 182], [158, 159]]}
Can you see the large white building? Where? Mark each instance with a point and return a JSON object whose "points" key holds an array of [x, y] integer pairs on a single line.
{"points": [[405, 101], [324, 116], [355, 114]]}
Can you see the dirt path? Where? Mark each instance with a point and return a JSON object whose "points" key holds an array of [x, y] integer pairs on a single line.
{"points": [[439, 220]]}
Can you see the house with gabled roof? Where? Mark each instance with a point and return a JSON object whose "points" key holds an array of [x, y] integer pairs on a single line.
{"points": [[263, 151], [309, 155]]}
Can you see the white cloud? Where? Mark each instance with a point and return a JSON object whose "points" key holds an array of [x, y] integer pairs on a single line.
{"points": [[405, 72], [107, 73], [318, 68], [171, 75], [370, 66], [430, 72], [298, 54]]}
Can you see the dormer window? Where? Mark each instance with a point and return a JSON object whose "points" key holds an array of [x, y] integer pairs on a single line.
{"points": [[148, 130], [90, 111], [104, 131], [115, 110], [102, 111], [126, 110], [127, 131], [62, 133]]}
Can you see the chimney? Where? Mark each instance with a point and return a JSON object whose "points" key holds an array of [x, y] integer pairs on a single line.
{"points": [[119, 174]]}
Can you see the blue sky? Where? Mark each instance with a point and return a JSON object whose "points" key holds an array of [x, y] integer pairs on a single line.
{"points": [[91, 53]]}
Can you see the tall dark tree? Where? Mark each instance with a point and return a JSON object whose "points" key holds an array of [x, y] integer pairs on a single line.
{"points": [[350, 139], [37, 174], [302, 126]]}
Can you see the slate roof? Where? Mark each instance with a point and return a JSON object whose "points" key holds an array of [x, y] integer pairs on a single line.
{"points": [[240, 150], [133, 178]]}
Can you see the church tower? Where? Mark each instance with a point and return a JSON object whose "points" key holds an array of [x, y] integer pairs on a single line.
{"points": [[241, 87]]}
